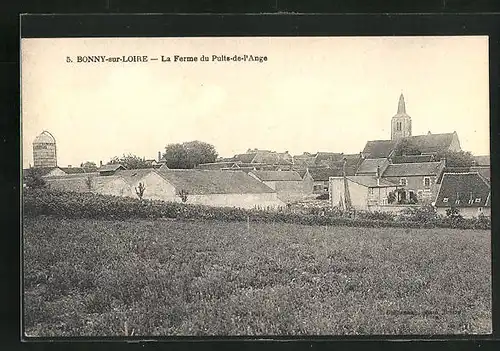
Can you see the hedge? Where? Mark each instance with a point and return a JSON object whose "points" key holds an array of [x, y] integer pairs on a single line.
{"points": [[95, 206]]}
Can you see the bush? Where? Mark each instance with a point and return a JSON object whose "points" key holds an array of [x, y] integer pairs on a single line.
{"points": [[95, 206]]}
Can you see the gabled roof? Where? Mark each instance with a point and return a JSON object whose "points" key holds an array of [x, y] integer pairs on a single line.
{"points": [[324, 174], [485, 172], [245, 158], [414, 169], [369, 166], [271, 176], [328, 156], [131, 176], [111, 167], [72, 170], [216, 165], [371, 181], [42, 171], [466, 187], [204, 182], [431, 143], [379, 148], [483, 160]]}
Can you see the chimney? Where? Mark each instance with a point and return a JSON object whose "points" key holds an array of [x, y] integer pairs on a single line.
{"points": [[159, 156], [429, 132], [100, 163], [69, 166]]}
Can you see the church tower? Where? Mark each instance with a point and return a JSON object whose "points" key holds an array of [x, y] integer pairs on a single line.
{"points": [[401, 122]]}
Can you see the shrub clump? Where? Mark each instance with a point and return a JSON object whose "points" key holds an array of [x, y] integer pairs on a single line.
{"points": [[96, 206]]}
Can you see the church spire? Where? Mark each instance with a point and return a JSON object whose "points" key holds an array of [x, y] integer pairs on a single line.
{"points": [[401, 105]]}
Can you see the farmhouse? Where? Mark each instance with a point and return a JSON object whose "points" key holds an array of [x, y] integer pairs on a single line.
{"points": [[288, 184], [467, 192], [320, 178], [417, 180], [212, 188], [363, 192]]}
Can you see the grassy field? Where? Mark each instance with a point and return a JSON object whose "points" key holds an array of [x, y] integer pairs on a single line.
{"points": [[160, 277]]}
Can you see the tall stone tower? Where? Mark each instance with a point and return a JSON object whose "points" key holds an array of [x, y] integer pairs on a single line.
{"points": [[44, 150], [401, 122]]}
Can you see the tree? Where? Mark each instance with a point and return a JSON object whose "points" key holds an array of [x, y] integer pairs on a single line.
{"points": [[89, 166], [456, 158], [183, 194], [33, 179], [89, 181], [130, 161], [189, 154], [139, 190], [405, 148]]}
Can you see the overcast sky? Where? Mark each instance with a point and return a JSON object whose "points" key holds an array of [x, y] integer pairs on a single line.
{"points": [[312, 94]]}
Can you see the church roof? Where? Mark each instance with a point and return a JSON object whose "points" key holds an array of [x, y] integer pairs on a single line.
{"points": [[483, 160], [401, 107], [431, 143]]}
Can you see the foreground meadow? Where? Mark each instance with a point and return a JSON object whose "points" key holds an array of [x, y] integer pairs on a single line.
{"points": [[87, 277]]}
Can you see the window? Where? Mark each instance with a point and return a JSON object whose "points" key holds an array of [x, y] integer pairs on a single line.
{"points": [[457, 202], [478, 199], [370, 191], [402, 181], [398, 126], [445, 199], [427, 181]]}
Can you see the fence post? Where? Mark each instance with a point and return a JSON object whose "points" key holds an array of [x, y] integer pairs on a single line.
{"points": [[248, 223]]}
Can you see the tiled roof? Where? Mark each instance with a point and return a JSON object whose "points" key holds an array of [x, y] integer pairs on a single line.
{"points": [[483, 160], [466, 187], [42, 171], [324, 174], [485, 172], [371, 181], [412, 158], [110, 168], [245, 158], [204, 182], [131, 176], [413, 169], [216, 165], [269, 176], [72, 170], [431, 143], [328, 156], [369, 166], [379, 148]]}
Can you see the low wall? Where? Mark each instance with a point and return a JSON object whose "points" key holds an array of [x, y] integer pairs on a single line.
{"points": [[391, 208]]}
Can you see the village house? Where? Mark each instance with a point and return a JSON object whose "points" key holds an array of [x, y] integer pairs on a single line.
{"points": [[468, 192], [289, 185], [361, 192], [418, 181], [320, 178]]}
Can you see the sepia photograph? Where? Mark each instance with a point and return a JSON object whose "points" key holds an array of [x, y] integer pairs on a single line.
{"points": [[256, 186]]}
